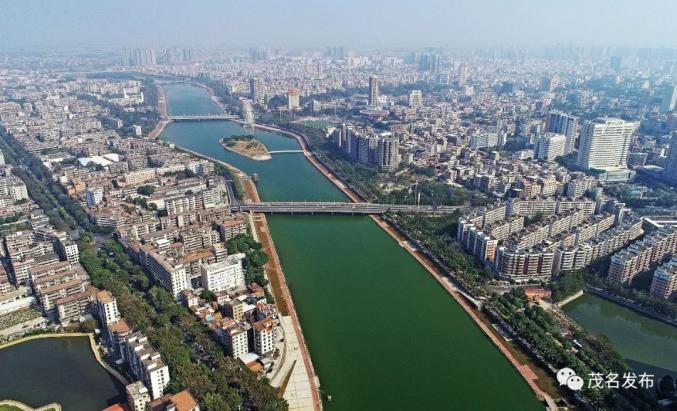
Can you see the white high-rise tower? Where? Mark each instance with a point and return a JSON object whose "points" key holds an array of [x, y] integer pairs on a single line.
{"points": [[605, 143]]}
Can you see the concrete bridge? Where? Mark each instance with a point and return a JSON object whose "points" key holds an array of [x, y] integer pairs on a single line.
{"points": [[205, 117], [286, 207], [285, 151]]}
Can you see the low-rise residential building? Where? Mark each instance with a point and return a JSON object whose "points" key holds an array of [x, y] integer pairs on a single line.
{"points": [[181, 401]]}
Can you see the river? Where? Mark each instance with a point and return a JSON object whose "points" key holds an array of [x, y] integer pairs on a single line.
{"points": [[646, 344], [62, 370], [381, 332]]}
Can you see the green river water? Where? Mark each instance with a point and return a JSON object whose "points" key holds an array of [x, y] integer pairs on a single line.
{"points": [[381, 332]]}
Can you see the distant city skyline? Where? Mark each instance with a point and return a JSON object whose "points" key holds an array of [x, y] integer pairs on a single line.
{"points": [[350, 23]]}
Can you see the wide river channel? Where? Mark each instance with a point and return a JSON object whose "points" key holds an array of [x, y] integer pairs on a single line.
{"points": [[381, 332]]}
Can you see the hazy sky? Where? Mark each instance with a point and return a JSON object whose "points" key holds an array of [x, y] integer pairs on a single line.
{"points": [[352, 23]]}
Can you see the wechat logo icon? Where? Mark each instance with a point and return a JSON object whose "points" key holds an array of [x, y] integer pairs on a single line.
{"points": [[567, 376]]}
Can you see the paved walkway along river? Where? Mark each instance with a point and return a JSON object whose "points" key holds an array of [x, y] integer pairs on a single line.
{"points": [[381, 332]]}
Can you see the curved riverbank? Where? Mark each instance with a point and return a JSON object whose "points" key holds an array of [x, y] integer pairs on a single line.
{"points": [[162, 110], [277, 280], [374, 321], [92, 345], [631, 332], [278, 283], [631, 305], [300, 138], [23, 407], [525, 371]]}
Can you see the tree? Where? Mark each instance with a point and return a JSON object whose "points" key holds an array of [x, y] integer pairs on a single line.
{"points": [[207, 295], [146, 190], [257, 258], [567, 284], [215, 402], [87, 326]]}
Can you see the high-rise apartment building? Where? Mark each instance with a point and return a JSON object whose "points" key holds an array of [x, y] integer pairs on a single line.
{"points": [[605, 143], [550, 83], [668, 98], [255, 90], [374, 91], [462, 74], [565, 124], [670, 170], [94, 195], [430, 62], [664, 283], [336, 52], [235, 339], [364, 146], [550, 146], [139, 57], [387, 154], [415, 98], [293, 99], [642, 254]]}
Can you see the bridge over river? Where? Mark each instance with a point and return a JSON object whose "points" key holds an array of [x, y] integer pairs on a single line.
{"points": [[285, 151], [286, 207], [204, 117]]}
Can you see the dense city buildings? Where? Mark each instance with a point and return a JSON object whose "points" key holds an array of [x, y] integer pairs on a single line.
{"points": [[643, 254], [168, 209], [554, 158], [571, 235]]}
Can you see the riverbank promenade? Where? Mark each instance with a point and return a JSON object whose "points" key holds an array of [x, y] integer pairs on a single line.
{"points": [[12, 405], [296, 376]]}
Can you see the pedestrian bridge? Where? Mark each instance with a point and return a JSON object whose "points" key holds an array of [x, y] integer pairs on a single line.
{"points": [[205, 117], [286, 207]]}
